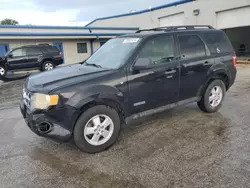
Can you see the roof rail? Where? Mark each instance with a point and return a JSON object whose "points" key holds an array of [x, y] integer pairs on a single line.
{"points": [[172, 28]]}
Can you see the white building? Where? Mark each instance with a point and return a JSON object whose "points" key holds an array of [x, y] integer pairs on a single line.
{"points": [[76, 43], [229, 15]]}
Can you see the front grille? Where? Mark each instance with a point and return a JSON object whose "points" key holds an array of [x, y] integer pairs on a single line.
{"points": [[27, 97]]}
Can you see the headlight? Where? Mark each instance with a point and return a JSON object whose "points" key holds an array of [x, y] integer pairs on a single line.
{"points": [[42, 101]]}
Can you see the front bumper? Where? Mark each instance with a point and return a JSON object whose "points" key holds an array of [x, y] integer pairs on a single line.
{"points": [[61, 121]]}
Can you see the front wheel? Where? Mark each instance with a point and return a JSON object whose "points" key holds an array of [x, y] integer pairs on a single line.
{"points": [[97, 129], [212, 97], [3, 71]]}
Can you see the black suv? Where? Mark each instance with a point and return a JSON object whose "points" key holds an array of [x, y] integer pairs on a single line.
{"points": [[42, 57], [130, 77]]}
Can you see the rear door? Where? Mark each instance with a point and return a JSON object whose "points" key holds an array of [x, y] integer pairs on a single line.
{"points": [[32, 54], [195, 60], [157, 84]]}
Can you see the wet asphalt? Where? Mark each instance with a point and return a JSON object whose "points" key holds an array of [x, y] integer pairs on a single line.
{"points": [[183, 147]]}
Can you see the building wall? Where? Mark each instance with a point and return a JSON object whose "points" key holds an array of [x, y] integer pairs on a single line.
{"points": [[70, 51], [210, 10]]}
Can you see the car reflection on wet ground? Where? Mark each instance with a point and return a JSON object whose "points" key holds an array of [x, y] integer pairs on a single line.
{"points": [[182, 147]]}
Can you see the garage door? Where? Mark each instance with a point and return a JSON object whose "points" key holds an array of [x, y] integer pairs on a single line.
{"points": [[233, 18], [172, 20]]}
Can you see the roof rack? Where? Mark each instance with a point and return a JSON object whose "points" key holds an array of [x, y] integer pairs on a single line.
{"points": [[35, 45], [172, 28]]}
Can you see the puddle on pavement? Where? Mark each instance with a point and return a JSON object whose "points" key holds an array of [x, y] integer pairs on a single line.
{"points": [[87, 175]]}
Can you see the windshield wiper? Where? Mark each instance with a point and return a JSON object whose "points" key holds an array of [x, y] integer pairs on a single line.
{"points": [[93, 64]]}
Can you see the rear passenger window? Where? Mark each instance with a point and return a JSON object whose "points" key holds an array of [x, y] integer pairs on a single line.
{"points": [[32, 51], [217, 42], [191, 46], [50, 49]]}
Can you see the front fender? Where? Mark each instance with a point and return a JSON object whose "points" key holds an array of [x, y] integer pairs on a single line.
{"points": [[96, 93]]}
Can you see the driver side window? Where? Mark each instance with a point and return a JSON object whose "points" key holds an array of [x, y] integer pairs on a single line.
{"points": [[158, 50], [17, 53]]}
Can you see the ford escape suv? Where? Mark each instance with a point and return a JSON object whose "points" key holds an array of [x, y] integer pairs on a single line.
{"points": [[41, 57], [129, 77]]}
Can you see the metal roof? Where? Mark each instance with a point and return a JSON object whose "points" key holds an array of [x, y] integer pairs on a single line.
{"points": [[179, 2]]}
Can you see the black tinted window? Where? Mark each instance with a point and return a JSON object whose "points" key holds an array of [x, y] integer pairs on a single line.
{"points": [[50, 49], [217, 42], [158, 50], [32, 51], [191, 46]]}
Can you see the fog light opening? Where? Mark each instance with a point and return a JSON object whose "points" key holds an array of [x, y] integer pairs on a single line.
{"points": [[44, 127]]}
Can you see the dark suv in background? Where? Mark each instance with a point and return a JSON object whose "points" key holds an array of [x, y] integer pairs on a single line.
{"points": [[41, 57], [127, 78]]}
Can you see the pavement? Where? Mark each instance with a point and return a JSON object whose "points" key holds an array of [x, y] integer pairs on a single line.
{"points": [[183, 147]]}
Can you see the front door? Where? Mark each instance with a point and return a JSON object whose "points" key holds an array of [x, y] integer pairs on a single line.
{"points": [[17, 59], [156, 84], [59, 46], [195, 62]]}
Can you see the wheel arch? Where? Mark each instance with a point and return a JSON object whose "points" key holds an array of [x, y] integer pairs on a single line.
{"points": [[44, 60], [99, 95], [107, 102], [218, 74]]}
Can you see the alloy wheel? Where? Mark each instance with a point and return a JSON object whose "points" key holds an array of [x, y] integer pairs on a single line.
{"points": [[2, 71], [98, 130], [48, 66], [215, 96]]}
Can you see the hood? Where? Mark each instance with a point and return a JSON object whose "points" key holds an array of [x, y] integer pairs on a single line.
{"points": [[62, 77], [2, 58]]}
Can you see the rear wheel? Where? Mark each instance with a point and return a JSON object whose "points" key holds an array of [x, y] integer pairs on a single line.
{"points": [[48, 65], [97, 129], [212, 97]]}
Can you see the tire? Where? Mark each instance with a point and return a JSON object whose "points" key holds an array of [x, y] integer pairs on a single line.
{"points": [[48, 65], [206, 103], [86, 142], [3, 71]]}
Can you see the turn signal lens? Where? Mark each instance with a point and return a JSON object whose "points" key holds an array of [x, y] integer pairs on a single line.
{"points": [[234, 61], [53, 99]]}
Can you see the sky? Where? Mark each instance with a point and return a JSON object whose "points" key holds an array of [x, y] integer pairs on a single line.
{"points": [[69, 12]]}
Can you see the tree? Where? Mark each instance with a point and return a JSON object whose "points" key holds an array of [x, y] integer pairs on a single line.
{"points": [[7, 21]]}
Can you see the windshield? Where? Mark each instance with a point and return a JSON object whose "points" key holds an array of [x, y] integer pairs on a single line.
{"points": [[113, 53]]}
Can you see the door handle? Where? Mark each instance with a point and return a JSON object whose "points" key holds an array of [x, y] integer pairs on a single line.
{"points": [[170, 72]]}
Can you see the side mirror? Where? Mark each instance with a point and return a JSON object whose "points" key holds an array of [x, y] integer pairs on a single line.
{"points": [[10, 55], [142, 64]]}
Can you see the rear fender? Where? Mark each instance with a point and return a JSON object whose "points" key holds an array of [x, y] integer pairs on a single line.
{"points": [[215, 72]]}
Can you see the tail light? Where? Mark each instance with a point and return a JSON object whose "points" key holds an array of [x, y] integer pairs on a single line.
{"points": [[234, 61], [60, 55]]}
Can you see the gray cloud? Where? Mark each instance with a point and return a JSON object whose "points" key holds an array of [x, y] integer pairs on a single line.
{"points": [[91, 9]]}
